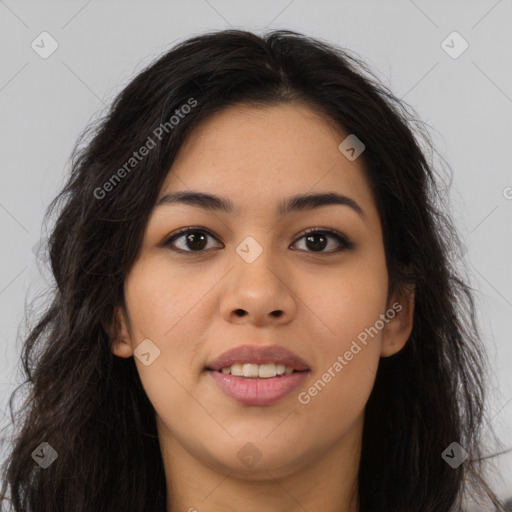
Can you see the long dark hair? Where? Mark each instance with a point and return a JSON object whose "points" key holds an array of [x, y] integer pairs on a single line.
{"points": [[89, 405]]}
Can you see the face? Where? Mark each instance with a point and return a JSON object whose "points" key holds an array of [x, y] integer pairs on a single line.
{"points": [[252, 276]]}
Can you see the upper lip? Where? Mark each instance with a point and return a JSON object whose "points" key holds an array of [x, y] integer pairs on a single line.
{"points": [[258, 354]]}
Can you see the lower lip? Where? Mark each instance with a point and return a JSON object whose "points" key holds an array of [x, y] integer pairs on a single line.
{"points": [[258, 391]]}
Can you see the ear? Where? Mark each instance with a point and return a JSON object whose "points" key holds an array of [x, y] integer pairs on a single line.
{"points": [[119, 333], [398, 328]]}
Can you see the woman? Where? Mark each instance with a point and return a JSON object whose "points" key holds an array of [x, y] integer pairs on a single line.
{"points": [[256, 303]]}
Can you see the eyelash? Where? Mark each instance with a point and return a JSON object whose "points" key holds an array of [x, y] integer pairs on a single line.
{"points": [[345, 243]]}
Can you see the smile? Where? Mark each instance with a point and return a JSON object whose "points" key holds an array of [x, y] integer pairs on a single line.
{"points": [[258, 391]]}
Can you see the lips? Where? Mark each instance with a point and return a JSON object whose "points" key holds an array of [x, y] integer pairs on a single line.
{"points": [[258, 355], [258, 392]]}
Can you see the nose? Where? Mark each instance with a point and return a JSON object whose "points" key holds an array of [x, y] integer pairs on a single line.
{"points": [[259, 292]]}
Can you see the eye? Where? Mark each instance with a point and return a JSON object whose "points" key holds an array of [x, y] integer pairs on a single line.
{"points": [[191, 237], [317, 239]]}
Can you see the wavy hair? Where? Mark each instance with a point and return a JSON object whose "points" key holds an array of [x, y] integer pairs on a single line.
{"points": [[90, 406]]}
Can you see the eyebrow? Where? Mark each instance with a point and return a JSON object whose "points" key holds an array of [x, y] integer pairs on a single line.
{"points": [[299, 202]]}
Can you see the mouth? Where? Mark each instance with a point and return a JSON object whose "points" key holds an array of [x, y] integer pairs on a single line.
{"points": [[258, 391], [257, 371], [265, 357], [258, 375]]}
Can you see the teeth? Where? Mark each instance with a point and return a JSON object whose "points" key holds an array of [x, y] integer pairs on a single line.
{"points": [[262, 371]]}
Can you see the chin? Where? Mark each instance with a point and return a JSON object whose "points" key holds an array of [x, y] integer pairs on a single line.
{"points": [[251, 460]]}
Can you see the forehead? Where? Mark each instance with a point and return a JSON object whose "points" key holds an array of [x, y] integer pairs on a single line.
{"points": [[256, 156]]}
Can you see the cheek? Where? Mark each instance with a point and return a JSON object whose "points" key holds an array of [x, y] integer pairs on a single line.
{"points": [[343, 302], [161, 296], [346, 366], [344, 316], [164, 306], [158, 313]]}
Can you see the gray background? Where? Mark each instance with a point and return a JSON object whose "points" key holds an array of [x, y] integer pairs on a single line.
{"points": [[467, 102]]}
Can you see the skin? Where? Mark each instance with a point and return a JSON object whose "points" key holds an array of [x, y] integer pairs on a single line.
{"points": [[187, 305]]}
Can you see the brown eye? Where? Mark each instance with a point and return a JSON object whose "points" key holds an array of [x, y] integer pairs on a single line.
{"points": [[196, 240], [316, 240], [190, 240]]}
